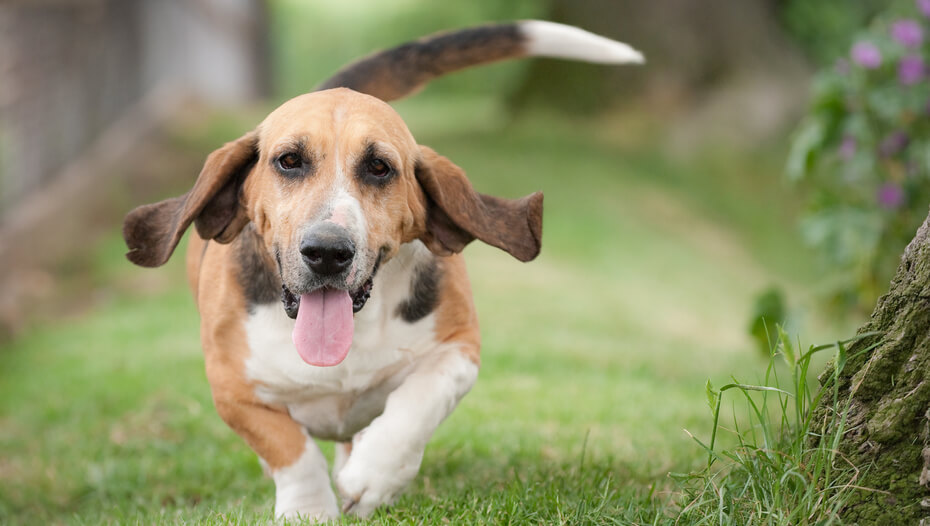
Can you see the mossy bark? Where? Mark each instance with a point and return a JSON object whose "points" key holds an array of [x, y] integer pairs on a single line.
{"points": [[887, 381]]}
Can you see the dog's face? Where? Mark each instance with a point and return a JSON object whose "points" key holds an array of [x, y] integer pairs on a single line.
{"points": [[334, 183], [334, 191]]}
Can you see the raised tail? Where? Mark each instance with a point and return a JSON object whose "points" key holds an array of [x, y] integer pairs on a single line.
{"points": [[400, 71]]}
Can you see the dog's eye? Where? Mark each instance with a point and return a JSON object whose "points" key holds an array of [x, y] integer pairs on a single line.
{"points": [[290, 161], [373, 169], [378, 168]]}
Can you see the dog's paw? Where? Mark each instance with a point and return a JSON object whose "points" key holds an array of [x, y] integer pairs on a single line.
{"points": [[363, 487], [362, 493], [299, 503], [313, 514]]}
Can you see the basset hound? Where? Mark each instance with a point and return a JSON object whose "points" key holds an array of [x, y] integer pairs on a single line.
{"points": [[325, 265]]}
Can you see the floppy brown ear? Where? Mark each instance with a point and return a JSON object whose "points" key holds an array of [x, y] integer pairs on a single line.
{"points": [[456, 214], [153, 231]]}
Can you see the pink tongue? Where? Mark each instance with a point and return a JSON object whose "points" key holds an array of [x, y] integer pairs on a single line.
{"points": [[323, 332]]}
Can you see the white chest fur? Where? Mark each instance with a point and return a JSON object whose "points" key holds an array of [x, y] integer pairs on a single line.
{"points": [[336, 402]]}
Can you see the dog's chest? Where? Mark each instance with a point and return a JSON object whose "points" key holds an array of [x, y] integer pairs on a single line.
{"points": [[336, 402]]}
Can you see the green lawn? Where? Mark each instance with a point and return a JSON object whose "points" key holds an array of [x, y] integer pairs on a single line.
{"points": [[594, 359]]}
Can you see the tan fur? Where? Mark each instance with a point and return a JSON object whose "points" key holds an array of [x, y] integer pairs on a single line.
{"points": [[335, 124], [456, 320], [195, 250], [268, 430]]}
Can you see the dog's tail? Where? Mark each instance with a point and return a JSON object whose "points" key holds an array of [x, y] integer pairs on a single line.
{"points": [[400, 71]]}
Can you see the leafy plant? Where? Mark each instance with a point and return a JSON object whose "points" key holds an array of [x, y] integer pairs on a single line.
{"points": [[823, 28], [864, 152], [785, 468]]}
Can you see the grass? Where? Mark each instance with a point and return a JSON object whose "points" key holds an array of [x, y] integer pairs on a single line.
{"points": [[595, 356], [786, 467]]}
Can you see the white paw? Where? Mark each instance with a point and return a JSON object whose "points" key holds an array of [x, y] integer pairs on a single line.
{"points": [[302, 490], [314, 514], [363, 486], [306, 498]]}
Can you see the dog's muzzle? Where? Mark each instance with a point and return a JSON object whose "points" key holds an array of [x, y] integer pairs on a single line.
{"points": [[328, 252]]}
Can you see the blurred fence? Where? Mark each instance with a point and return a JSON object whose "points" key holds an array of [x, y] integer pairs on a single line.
{"points": [[69, 68]]}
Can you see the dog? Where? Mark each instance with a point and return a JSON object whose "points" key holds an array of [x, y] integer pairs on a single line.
{"points": [[326, 268]]}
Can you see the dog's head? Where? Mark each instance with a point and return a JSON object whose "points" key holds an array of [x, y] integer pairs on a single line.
{"points": [[334, 183]]}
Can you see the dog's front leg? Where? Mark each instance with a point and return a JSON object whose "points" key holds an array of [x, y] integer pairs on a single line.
{"points": [[386, 455], [303, 488], [302, 485]]}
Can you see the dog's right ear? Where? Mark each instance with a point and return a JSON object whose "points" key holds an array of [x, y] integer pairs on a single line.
{"points": [[153, 231]]}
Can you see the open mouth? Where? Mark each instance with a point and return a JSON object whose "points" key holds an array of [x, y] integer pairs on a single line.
{"points": [[324, 321], [359, 297]]}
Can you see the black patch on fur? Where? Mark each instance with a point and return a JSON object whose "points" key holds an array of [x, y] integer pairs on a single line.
{"points": [[398, 71], [256, 274], [424, 293]]}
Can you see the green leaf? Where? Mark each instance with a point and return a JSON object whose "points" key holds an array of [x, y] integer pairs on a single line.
{"points": [[711, 395], [747, 387], [787, 348], [804, 148], [840, 359]]}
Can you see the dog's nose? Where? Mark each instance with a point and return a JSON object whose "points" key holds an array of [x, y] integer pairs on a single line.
{"points": [[327, 251]]}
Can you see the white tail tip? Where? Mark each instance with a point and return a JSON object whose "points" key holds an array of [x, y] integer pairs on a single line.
{"points": [[549, 39]]}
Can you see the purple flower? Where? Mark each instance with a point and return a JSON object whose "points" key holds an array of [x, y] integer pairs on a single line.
{"points": [[893, 144], [889, 196], [924, 6], [866, 55], [847, 148], [907, 32], [911, 70]]}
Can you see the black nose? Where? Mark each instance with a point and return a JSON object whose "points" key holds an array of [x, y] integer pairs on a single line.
{"points": [[327, 251]]}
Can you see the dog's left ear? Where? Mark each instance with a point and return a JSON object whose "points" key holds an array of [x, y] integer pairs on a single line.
{"points": [[153, 231], [456, 214]]}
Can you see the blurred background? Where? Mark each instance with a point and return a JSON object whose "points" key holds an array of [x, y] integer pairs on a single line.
{"points": [[93, 89], [672, 240]]}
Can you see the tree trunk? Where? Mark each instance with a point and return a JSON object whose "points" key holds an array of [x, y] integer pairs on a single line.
{"points": [[887, 380]]}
